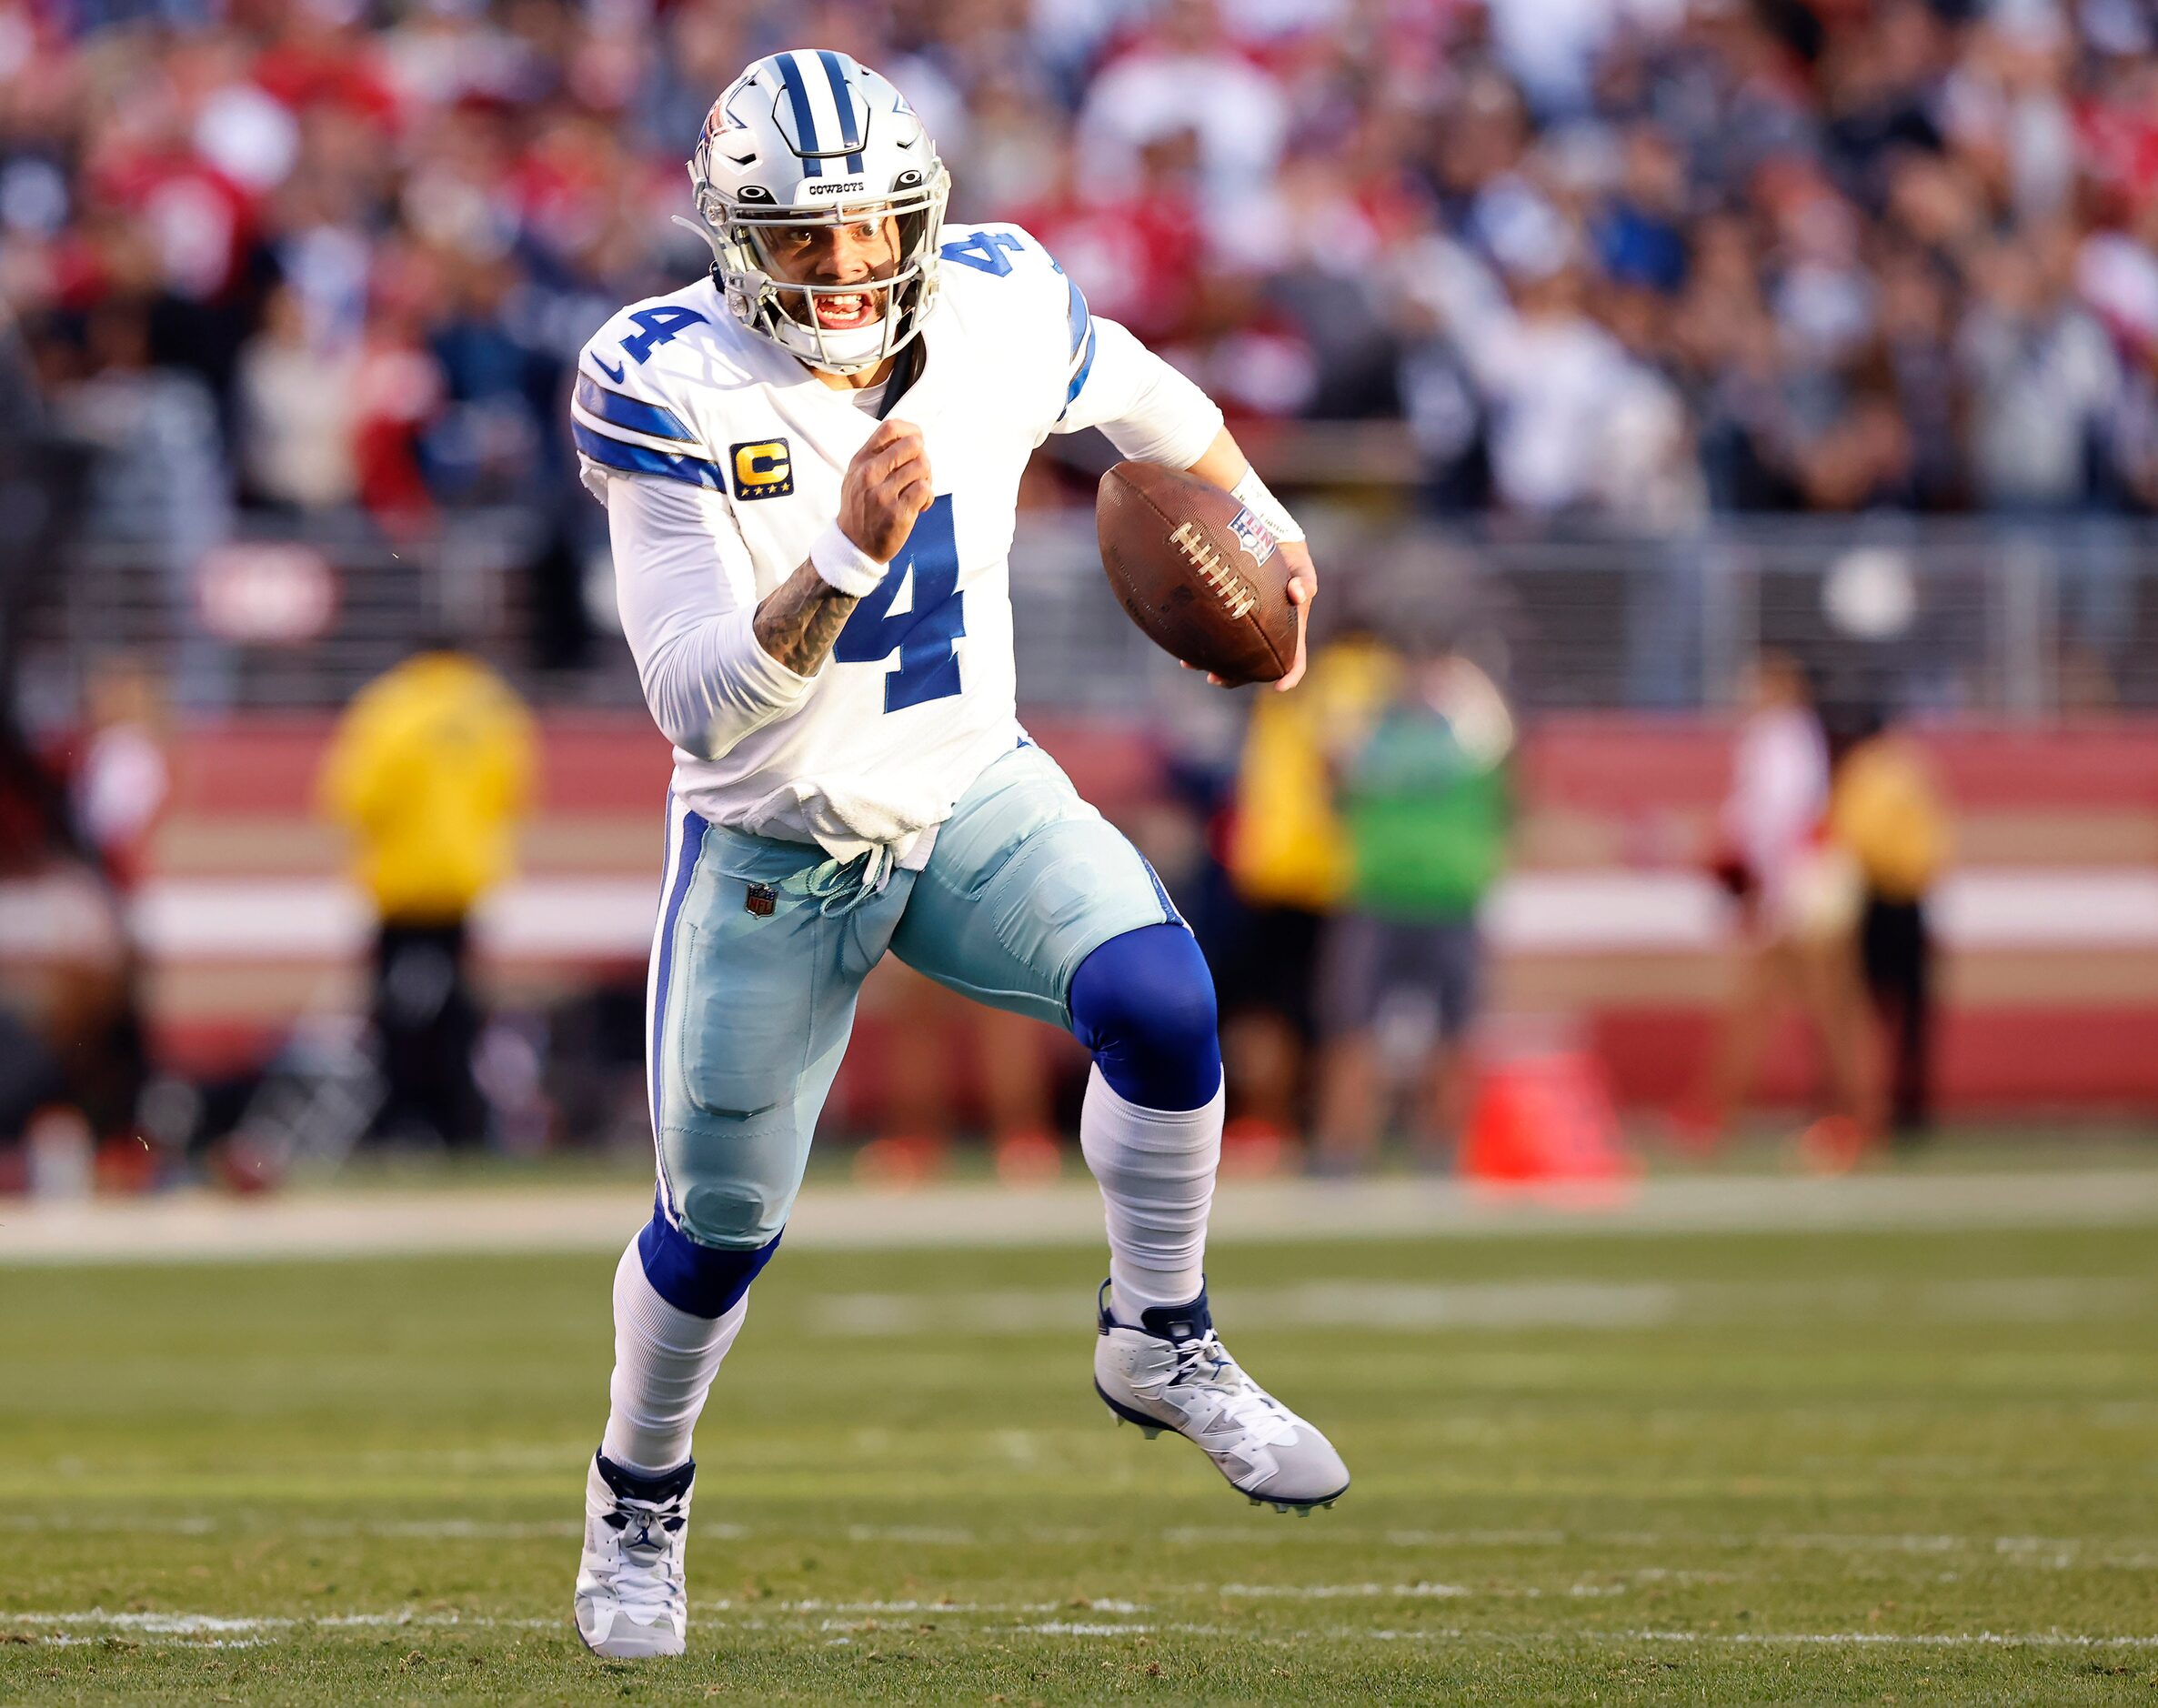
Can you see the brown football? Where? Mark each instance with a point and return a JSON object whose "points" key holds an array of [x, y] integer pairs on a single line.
{"points": [[1201, 575]]}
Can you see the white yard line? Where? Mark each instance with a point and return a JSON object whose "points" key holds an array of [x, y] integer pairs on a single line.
{"points": [[203, 1629], [598, 1218], [1351, 1592], [1828, 1639], [2113, 1553], [1511, 1305]]}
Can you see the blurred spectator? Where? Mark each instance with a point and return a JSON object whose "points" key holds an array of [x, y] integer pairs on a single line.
{"points": [[63, 958], [2042, 379], [1617, 255], [431, 769], [1575, 422], [158, 475], [296, 413], [1134, 250], [1886, 810], [120, 786], [1288, 865], [1424, 803], [122, 780], [1798, 898], [1187, 75]]}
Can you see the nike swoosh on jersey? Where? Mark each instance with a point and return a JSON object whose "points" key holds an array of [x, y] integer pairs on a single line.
{"points": [[614, 374]]}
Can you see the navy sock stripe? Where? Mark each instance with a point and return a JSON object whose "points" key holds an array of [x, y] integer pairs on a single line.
{"points": [[706, 1280]]}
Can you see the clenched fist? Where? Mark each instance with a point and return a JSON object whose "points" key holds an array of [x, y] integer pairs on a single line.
{"points": [[886, 486]]}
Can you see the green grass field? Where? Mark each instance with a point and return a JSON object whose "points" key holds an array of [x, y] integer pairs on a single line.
{"points": [[1838, 1467]]}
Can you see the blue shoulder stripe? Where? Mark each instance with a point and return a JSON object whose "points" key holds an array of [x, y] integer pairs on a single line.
{"points": [[1082, 322], [627, 412], [1085, 367], [635, 459], [805, 121], [850, 137]]}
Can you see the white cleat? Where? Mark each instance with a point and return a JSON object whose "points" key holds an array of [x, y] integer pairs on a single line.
{"points": [[1172, 1372], [631, 1598]]}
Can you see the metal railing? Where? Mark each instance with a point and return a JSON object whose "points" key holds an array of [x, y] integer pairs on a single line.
{"points": [[2023, 618]]}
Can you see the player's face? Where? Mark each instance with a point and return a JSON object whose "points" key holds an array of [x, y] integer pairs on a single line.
{"points": [[854, 251]]}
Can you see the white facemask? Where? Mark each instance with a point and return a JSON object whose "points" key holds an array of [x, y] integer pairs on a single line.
{"points": [[840, 344]]}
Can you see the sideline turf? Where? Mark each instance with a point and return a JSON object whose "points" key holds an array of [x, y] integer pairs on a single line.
{"points": [[1800, 1468]]}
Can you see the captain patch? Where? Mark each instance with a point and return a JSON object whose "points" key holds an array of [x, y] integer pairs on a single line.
{"points": [[763, 469]]}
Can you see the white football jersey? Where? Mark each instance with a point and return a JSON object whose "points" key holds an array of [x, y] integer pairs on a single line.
{"points": [[919, 695]]}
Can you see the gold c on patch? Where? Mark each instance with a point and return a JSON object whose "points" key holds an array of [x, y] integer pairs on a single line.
{"points": [[763, 469]]}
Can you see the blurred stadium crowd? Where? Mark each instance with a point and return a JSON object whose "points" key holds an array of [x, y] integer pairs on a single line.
{"points": [[317, 269], [1647, 257]]}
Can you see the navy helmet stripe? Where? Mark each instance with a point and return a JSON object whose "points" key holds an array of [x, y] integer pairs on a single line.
{"points": [[637, 459], [850, 137], [805, 121], [628, 412]]}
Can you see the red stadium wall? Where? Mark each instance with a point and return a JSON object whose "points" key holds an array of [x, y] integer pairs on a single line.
{"points": [[2051, 980]]}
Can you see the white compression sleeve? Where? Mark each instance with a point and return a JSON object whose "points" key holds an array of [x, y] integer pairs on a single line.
{"points": [[1148, 411], [1156, 1170], [665, 1361], [687, 599]]}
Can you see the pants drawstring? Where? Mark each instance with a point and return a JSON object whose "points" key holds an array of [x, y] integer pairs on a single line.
{"points": [[841, 886]]}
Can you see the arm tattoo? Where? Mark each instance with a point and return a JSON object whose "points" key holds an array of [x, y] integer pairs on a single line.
{"points": [[800, 618]]}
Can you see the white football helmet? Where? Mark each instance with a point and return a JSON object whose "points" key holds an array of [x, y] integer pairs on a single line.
{"points": [[811, 137]]}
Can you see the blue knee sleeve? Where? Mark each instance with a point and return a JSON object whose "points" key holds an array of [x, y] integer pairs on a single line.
{"points": [[1144, 1004], [706, 1280]]}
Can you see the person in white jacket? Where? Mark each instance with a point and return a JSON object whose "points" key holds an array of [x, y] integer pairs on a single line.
{"points": [[1796, 896]]}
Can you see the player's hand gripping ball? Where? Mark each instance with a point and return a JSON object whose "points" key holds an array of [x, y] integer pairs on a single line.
{"points": [[1200, 574]]}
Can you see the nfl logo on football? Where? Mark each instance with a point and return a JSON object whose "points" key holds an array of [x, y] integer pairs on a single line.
{"points": [[1252, 536]]}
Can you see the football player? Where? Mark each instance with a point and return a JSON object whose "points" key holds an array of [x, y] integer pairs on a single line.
{"points": [[810, 461]]}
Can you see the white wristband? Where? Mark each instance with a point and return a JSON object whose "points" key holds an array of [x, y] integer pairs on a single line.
{"points": [[1252, 494], [846, 566]]}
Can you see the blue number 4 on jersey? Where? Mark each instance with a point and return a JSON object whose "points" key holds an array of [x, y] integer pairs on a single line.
{"points": [[923, 633]]}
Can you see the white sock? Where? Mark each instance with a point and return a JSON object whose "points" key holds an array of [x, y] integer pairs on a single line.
{"points": [[1156, 1170], [665, 1359]]}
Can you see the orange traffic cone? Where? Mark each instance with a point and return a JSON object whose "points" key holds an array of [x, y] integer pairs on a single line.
{"points": [[1544, 1120]]}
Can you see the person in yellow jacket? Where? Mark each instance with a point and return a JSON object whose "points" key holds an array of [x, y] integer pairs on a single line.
{"points": [[1885, 811], [1288, 865], [430, 769]]}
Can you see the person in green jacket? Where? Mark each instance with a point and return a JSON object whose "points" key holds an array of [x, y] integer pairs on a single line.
{"points": [[1426, 805]]}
